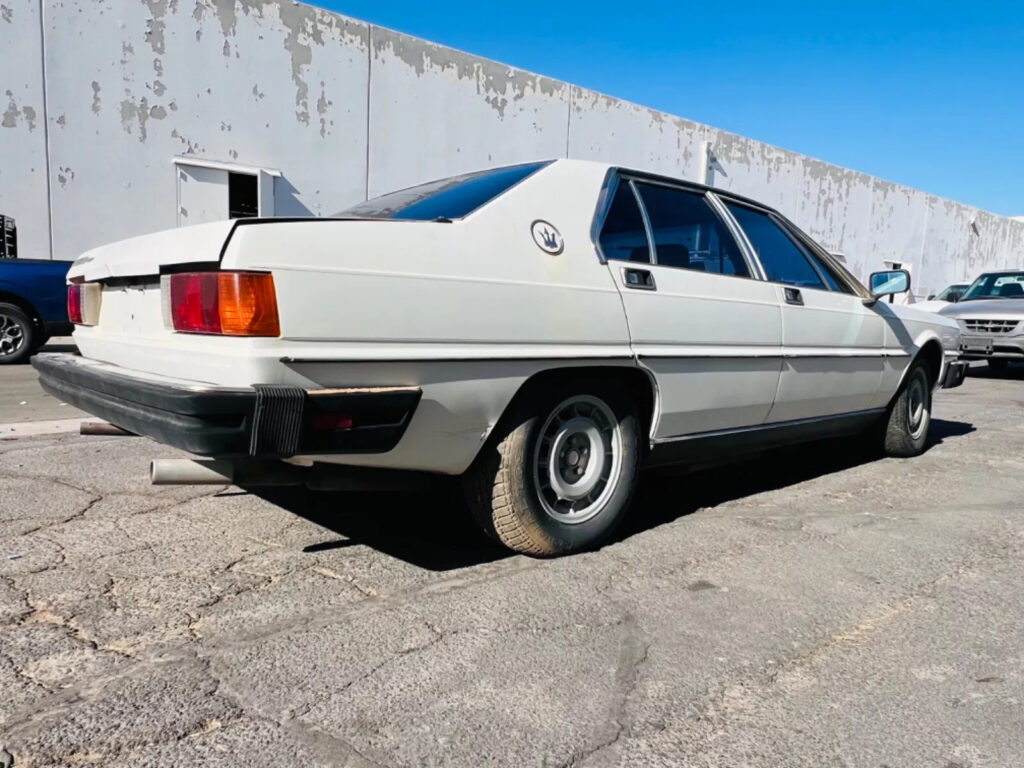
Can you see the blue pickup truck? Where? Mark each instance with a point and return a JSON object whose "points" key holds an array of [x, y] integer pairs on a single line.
{"points": [[33, 306]]}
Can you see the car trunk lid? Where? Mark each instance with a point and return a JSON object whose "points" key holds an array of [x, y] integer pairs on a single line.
{"points": [[147, 255]]}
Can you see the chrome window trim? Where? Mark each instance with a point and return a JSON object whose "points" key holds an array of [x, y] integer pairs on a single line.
{"points": [[652, 248], [739, 235]]}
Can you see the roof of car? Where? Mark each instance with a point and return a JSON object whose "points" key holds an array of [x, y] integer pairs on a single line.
{"points": [[652, 175]]}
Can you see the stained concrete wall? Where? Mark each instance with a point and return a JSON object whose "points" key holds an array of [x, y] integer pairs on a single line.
{"points": [[345, 109], [23, 174]]}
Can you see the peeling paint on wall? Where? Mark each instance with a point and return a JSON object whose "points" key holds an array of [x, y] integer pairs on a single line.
{"points": [[344, 108]]}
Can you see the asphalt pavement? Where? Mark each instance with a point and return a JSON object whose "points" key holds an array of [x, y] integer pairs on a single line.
{"points": [[815, 607]]}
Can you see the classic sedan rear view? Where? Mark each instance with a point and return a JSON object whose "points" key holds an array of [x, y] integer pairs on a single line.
{"points": [[542, 330]]}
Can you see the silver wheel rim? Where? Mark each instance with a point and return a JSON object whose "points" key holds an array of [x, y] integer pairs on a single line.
{"points": [[12, 335], [577, 458], [917, 404]]}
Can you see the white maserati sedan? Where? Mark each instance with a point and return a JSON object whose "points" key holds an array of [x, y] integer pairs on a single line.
{"points": [[542, 330]]}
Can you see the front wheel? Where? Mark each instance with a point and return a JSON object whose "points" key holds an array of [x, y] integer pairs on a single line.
{"points": [[997, 364], [910, 414], [559, 475]]}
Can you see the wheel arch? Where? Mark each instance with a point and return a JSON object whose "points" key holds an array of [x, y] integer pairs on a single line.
{"points": [[6, 297], [638, 381], [930, 350]]}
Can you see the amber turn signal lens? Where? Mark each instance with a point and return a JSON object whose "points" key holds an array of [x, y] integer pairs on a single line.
{"points": [[225, 303]]}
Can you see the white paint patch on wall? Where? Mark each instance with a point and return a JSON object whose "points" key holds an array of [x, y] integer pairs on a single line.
{"points": [[436, 112], [23, 193]]}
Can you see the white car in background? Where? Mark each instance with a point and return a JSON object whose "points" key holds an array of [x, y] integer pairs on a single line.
{"points": [[991, 316], [543, 330], [948, 295]]}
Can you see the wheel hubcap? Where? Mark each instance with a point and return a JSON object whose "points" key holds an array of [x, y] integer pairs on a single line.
{"points": [[12, 335], [577, 458], [917, 404]]}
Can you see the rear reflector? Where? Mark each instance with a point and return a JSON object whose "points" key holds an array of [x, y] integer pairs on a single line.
{"points": [[84, 303], [225, 303]]}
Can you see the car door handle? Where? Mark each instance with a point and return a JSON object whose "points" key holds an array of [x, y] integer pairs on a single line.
{"points": [[793, 296], [638, 279]]}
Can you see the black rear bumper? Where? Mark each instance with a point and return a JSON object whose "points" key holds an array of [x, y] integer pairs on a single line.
{"points": [[262, 421]]}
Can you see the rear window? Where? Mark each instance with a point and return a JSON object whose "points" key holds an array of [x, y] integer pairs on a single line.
{"points": [[450, 198]]}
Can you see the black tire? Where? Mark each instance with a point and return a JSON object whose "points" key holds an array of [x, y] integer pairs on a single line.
{"points": [[997, 364], [511, 487], [910, 413], [17, 334]]}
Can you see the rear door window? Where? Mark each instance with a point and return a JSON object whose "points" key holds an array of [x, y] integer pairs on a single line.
{"points": [[623, 236], [688, 233]]}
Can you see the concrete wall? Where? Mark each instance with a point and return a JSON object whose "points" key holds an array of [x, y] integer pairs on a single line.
{"points": [[344, 110], [23, 173]]}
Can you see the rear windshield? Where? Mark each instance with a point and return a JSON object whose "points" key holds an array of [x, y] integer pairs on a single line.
{"points": [[450, 198]]}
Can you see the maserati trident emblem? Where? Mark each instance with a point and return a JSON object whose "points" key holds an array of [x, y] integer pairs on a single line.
{"points": [[547, 237]]}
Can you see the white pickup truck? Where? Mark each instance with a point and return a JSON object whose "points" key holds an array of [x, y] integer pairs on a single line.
{"points": [[544, 330]]}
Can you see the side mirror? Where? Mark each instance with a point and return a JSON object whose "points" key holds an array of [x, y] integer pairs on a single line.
{"points": [[888, 282], [930, 296], [954, 297]]}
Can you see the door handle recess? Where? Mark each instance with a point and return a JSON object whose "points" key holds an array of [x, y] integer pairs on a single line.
{"points": [[638, 279], [793, 296]]}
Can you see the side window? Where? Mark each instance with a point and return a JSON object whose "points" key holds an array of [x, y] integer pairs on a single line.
{"points": [[623, 236], [688, 234], [783, 260]]}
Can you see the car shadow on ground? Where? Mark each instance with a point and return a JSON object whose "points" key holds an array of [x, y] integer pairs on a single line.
{"points": [[433, 530]]}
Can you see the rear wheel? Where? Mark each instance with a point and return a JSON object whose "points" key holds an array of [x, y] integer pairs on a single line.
{"points": [[16, 334], [560, 474], [910, 414]]}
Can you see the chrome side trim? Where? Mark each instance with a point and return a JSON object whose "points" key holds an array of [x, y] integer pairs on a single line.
{"points": [[769, 427], [699, 352]]}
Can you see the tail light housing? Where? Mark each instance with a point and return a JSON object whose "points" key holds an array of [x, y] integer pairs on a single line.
{"points": [[223, 303], [84, 303]]}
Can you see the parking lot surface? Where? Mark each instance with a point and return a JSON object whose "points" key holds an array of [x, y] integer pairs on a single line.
{"points": [[816, 607]]}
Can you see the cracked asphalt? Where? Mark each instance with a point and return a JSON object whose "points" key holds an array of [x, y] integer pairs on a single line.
{"points": [[815, 607]]}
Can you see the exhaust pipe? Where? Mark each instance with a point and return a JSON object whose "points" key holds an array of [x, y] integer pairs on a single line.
{"points": [[223, 472], [103, 428], [252, 474]]}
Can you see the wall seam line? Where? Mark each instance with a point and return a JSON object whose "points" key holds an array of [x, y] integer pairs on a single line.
{"points": [[46, 124], [568, 120], [369, 69]]}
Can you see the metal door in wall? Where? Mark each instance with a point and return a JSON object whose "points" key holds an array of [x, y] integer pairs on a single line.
{"points": [[202, 195]]}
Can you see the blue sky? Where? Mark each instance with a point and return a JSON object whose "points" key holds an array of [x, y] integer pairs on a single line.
{"points": [[929, 94]]}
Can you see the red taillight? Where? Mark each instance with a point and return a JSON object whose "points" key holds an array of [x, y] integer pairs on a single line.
{"points": [[226, 303], [75, 304]]}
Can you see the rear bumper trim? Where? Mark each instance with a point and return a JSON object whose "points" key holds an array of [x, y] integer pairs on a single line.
{"points": [[260, 421]]}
